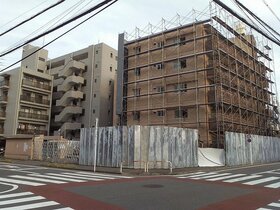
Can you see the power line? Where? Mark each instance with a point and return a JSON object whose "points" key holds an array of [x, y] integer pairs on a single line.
{"points": [[24, 13], [32, 17], [271, 10], [60, 35], [59, 26]]}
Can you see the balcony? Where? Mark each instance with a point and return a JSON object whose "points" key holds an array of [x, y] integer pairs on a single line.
{"points": [[68, 96], [36, 84], [32, 131], [34, 116], [3, 99], [71, 67], [70, 126], [67, 112], [4, 84], [34, 100], [69, 82], [2, 114]]}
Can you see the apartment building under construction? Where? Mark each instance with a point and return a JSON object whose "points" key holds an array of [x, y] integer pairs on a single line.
{"points": [[214, 75]]}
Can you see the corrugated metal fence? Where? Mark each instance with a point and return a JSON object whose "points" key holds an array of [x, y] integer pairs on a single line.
{"points": [[136, 145], [244, 149]]}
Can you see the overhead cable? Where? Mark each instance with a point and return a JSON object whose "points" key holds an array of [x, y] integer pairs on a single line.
{"points": [[32, 17], [59, 26], [271, 10], [60, 35]]}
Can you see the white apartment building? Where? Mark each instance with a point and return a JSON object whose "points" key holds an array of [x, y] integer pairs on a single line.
{"points": [[82, 89]]}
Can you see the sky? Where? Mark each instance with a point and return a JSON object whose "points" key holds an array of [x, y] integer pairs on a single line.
{"points": [[124, 15]]}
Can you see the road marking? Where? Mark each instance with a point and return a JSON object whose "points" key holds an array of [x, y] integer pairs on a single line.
{"points": [[58, 178], [199, 175], [264, 209], [259, 181], [89, 176], [15, 181], [32, 206], [242, 178], [226, 177], [104, 175], [274, 185], [211, 176], [21, 200], [14, 187], [38, 179], [69, 176], [190, 174], [66, 208], [274, 204], [15, 195]]}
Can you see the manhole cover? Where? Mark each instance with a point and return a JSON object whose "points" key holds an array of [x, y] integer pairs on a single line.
{"points": [[153, 186]]}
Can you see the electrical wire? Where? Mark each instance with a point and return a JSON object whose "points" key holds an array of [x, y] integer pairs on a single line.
{"points": [[32, 17], [59, 26], [22, 14], [56, 20], [60, 35], [271, 10]]}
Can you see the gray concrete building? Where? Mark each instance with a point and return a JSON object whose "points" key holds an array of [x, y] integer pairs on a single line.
{"points": [[82, 89], [25, 96]]}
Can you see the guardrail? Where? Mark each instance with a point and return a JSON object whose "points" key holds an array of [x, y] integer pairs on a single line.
{"points": [[136, 161], [162, 161]]}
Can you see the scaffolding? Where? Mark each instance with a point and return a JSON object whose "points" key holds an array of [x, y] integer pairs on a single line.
{"points": [[207, 71]]}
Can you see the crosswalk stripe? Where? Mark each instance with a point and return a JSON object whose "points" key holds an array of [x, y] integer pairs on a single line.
{"points": [[12, 195], [259, 181], [104, 175], [195, 173], [38, 179], [274, 204], [199, 175], [225, 177], [263, 209], [69, 176], [242, 178], [66, 208], [21, 200], [32, 206], [90, 176], [274, 185], [58, 178], [211, 176], [21, 182]]}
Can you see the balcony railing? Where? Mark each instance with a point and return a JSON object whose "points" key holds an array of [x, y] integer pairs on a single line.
{"points": [[34, 100], [2, 114], [36, 84], [4, 83], [33, 116], [31, 131], [3, 98]]}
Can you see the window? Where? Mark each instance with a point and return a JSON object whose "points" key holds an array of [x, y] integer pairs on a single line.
{"points": [[109, 111], [86, 67], [138, 49], [111, 55], [182, 40], [159, 89], [84, 97], [85, 83], [183, 64], [110, 96], [96, 52], [93, 111], [95, 80], [94, 95], [158, 66], [136, 115], [181, 87], [40, 70], [160, 113], [96, 66], [83, 112], [110, 82], [181, 113], [111, 69], [158, 44], [137, 71], [137, 91], [42, 59]]}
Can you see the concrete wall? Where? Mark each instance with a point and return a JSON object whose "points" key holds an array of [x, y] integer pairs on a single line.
{"points": [[137, 145], [244, 149], [19, 148]]}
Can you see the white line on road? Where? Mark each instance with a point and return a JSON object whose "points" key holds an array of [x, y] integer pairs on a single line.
{"points": [[14, 187], [69, 176], [58, 178], [259, 181], [66, 208], [195, 173], [225, 177], [89, 176], [242, 178], [38, 179], [21, 182], [21, 200], [274, 185], [211, 176], [105, 175], [274, 204], [15, 195], [199, 175], [32, 206]]}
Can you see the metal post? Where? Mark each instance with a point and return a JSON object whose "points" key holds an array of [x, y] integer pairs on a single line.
{"points": [[95, 144]]}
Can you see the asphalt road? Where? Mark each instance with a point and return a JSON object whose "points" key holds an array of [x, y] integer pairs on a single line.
{"points": [[34, 187]]}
